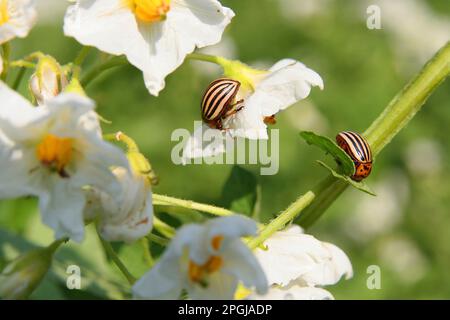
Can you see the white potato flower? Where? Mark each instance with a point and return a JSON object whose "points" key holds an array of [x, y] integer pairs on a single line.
{"points": [[263, 95], [296, 264], [154, 35], [208, 261], [127, 216], [17, 17], [52, 152]]}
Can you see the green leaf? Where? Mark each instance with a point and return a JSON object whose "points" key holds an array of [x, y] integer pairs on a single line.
{"points": [[327, 145], [240, 192], [358, 185]]}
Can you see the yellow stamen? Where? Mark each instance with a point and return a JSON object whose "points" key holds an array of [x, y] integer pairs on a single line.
{"points": [[197, 272], [4, 16], [216, 242], [55, 152], [150, 10]]}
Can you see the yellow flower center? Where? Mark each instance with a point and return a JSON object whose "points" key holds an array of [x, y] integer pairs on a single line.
{"points": [[197, 273], [4, 16], [55, 152], [150, 10]]}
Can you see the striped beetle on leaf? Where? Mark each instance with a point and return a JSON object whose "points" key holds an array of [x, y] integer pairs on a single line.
{"points": [[359, 150]]}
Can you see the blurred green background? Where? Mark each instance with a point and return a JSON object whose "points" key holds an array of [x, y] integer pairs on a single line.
{"points": [[405, 230]]}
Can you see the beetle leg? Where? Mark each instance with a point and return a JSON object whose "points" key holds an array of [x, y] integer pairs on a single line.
{"points": [[234, 108]]}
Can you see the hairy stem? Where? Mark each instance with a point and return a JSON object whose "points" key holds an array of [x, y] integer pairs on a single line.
{"points": [[171, 201], [283, 219]]}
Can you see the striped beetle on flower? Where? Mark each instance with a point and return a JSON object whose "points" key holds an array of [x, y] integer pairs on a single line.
{"points": [[218, 102]]}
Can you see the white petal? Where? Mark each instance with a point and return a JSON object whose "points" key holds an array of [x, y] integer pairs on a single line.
{"points": [[294, 256], [108, 25], [161, 282], [22, 17], [204, 142], [15, 109], [230, 228], [248, 122], [240, 262], [294, 293], [62, 209], [221, 286], [16, 181], [157, 48], [189, 24], [288, 82]]}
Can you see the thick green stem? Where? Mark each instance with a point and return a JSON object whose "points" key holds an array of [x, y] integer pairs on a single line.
{"points": [[171, 201], [394, 118], [284, 218]]}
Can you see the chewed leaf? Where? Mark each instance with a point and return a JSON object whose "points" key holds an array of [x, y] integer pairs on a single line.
{"points": [[358, 185], [327, 145]]}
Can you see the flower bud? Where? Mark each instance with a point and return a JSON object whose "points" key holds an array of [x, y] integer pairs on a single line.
{"points": [[21, 276], [48, 80]]}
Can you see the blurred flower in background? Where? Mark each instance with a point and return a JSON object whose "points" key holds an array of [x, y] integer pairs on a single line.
{"points": [[423, 157], [403, 257], [416, 31], [370, 216]]}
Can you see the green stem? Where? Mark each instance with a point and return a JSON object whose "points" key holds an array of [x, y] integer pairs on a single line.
{"points": [[100, 68], [55, 245], [163, 227], [283, 219], [22, 64], [112, 254], [171, 201], [395, 117], [207, 58], [157, 239], [147, 255], [409, 101], [6, 56], [82, 55], [19, 78]]}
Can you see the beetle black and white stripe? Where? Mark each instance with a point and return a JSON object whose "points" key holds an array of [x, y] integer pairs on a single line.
{"points": [[217, 102], [359, 150]]}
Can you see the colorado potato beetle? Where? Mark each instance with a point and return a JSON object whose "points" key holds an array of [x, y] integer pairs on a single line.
{"points": [[359, 150], [218, 102]]}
